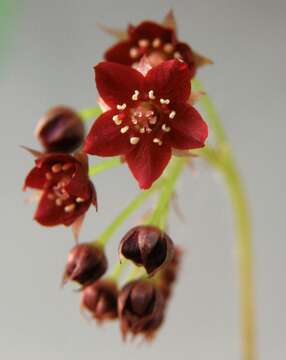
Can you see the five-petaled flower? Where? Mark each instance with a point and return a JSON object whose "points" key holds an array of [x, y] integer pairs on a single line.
{"points": [[66, 191], [158, 42], [149, 115]]}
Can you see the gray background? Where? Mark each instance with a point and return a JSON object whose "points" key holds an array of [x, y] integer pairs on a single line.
{"points": [[52, 46]]}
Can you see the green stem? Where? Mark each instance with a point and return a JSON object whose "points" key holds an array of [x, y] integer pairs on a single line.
{"points": [[90, 113], [125, 213], [116, 273], [223, 159], [160, 213], [104, 165]]}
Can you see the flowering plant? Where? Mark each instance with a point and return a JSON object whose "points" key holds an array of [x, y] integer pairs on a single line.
{"points": [[148, 119]]}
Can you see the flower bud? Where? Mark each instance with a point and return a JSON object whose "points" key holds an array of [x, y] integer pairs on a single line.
{"points": [[100, 299], [86, 264], [60, 129], [147, 246], [140, 308]]}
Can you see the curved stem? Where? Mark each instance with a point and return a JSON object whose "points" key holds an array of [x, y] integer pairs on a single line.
{"points": [[160, 213], [104, 165], [125, 213], [224, 161]]}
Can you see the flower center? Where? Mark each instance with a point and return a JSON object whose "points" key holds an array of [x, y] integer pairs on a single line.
{"points": [[144, 116], [58, 176]]}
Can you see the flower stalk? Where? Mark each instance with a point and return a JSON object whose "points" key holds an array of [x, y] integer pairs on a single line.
{"points": [[223, 160], [125, 213]]}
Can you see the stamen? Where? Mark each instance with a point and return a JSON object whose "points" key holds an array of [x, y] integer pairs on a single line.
{"points": [[59, 202], [172, 114], [156, 42], [153, 120], [149, 130], [139, 114], [79, 200], [151, 95], [67, 166], [168, 48], [177, 55], [134, 140], [142, 130], [166, 128], [56, 168], [116, 119], [121, 107], [164, 101], [157, 141], [70, 208], [143, 43], [124, 129], [135, 95], [134, 52], [134, 121], [49, 176]]}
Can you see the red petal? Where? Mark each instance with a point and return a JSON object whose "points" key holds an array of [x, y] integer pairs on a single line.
{"points": [[150, 30], [49, 214], [35, 179], [105, 138], [170, 80], [116, 83], [79, 185], [189, 131], [120, 53], [147, 162]]}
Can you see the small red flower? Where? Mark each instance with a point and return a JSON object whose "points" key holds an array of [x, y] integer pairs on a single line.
{"points": [[158, 42], [66, 191], [149, 115]]}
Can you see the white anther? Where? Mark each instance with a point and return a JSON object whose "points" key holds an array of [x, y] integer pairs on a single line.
{"points": [[151, 95], [166, 128], [134, 52], [135, 95], [59, 202], [49, 176], [56, 168], [156, 42], [79, 200], [134, 140], [177, 55], [67, 166], [139, 114], [168, 48], [70, 208], [172, 114], [121, 107], [116, 119], [157, 141], [149, 130], [164, 101], [124, 129], [142, 130], [134, 121], [143, 43], [153, 120]]}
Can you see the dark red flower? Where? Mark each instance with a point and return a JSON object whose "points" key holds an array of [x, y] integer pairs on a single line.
{"points": [[100, 299], [66, 191], [60, 129], [158, 42], [149, 116], [147, 246], [86, 264], [140, 308]]}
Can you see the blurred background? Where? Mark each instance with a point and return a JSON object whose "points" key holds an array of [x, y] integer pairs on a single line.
{"points": [[47, 51]]}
